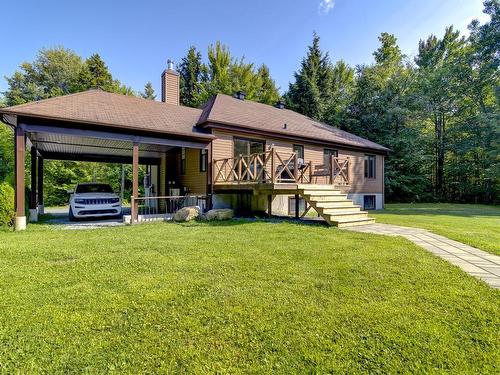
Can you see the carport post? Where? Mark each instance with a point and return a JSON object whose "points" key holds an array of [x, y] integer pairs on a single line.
{"points": [[40, 185], [32, 203], [135, 181], [20, 152]]}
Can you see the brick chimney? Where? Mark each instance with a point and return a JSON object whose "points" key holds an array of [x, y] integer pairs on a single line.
{"points": [[170, 85]]}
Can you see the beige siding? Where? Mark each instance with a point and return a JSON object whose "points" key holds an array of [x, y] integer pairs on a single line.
{"points": [[360, 184], [223, 148], [194, 180]]}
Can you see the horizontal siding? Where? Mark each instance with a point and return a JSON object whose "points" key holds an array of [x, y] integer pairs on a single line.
{"points": [[223, 148], [360, 184], [194, 180]]}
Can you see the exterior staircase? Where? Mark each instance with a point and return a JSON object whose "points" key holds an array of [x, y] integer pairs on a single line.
{"points": [[333, 206]]}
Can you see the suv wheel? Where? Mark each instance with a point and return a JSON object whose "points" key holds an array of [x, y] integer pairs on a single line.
{"points": [[71, 216]]}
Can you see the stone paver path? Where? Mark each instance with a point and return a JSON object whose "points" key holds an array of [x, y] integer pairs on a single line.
{"points": [[475, 262]]}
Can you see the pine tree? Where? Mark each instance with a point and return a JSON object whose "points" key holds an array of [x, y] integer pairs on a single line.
{"points": [[95, 75], [311, 91], [190, 70], [268, 92], [149, 92]]}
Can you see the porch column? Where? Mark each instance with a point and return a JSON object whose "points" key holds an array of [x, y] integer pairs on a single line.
{"points": [[135, 180], [41, 207], [269, 205], [32, 204], [210, 178], [20, 151]]}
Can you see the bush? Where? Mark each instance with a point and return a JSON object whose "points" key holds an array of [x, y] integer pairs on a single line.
{"points": [[7, 212]]}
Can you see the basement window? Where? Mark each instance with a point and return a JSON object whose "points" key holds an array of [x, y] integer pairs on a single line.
{"points": [[369, 202]]}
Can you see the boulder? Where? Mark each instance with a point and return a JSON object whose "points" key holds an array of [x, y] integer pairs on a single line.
{"points": [[187, 213], [220, 214]]}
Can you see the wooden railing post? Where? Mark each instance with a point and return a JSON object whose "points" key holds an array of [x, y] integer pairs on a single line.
{"points": [[332, 171], [310, 172], [347, 171], [273, 167], [296, 167], [240, 165]]}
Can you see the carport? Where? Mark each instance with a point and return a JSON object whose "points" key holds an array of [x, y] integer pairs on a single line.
{"points": [[96, 126]]}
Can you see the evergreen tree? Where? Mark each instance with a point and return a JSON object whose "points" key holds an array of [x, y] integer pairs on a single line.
{"points": [[311, 91], [190, 70], [149, 92], [95, 75], [268, 92]]}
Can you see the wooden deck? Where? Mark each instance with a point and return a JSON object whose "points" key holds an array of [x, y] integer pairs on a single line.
{"points": [[276, 171], [266, 188]]}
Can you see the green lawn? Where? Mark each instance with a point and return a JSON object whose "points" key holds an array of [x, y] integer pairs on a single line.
{"points": [[237, 297], [474, 224]]}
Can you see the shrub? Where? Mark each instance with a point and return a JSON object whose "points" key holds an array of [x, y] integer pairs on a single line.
{"points": [[7, 212]]}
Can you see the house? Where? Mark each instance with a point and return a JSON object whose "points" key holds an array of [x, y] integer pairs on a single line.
{"points": [[230, 153]]}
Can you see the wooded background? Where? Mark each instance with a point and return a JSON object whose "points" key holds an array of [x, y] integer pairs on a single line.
{"points": [[437, 111]]}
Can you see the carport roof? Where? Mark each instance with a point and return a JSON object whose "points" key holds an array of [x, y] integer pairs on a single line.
{"points": [[116, 111]]}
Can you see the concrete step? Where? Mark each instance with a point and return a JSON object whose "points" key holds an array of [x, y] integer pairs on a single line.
{"points": [[342, 216], [354, 222]]}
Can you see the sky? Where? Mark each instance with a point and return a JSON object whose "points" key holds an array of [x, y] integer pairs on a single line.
{"points": [[135, 38]]}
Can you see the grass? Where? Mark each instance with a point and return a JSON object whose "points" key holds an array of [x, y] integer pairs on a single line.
{"points": [[237, 297], [474, 224]]}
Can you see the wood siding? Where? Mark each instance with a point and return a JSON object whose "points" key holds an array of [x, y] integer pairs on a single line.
{"points": [[194, 180], [223, 148]]}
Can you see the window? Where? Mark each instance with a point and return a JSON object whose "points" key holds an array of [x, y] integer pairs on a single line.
{"points": [[244, 147], [370, 166], [368, 202], [291, 206], [93, 188], [203, 160], [299, 150], [327, 154], [183, 160]]}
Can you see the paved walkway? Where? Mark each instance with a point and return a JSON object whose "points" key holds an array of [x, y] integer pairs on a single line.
{"points": [[475, 262]]}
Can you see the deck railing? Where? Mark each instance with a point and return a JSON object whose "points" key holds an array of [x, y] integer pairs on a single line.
{"points": [[152, 208], [279, 167]]}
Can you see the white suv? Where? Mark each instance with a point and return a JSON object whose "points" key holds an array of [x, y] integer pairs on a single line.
{"points": [[93, 200]]}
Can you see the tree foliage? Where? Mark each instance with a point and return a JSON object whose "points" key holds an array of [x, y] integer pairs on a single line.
{"points": [[54, 72], [149, 92], [222, 73], [439, 114]]}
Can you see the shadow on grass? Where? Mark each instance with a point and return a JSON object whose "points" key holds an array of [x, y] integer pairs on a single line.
{"points": [[252, 220]]}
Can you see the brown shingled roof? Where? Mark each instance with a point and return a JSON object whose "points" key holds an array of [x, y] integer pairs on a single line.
{"points": [[115, 110], [226, 110], [127, 112]]}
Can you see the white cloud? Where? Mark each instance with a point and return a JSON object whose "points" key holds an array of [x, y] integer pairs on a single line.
{"points": [[325, 6]]}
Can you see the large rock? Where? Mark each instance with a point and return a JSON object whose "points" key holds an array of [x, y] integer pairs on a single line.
{"points": [[187, 213], [220, 214]]}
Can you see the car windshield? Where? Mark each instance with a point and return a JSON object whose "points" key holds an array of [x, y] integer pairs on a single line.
{"points": [[93, 188]]}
